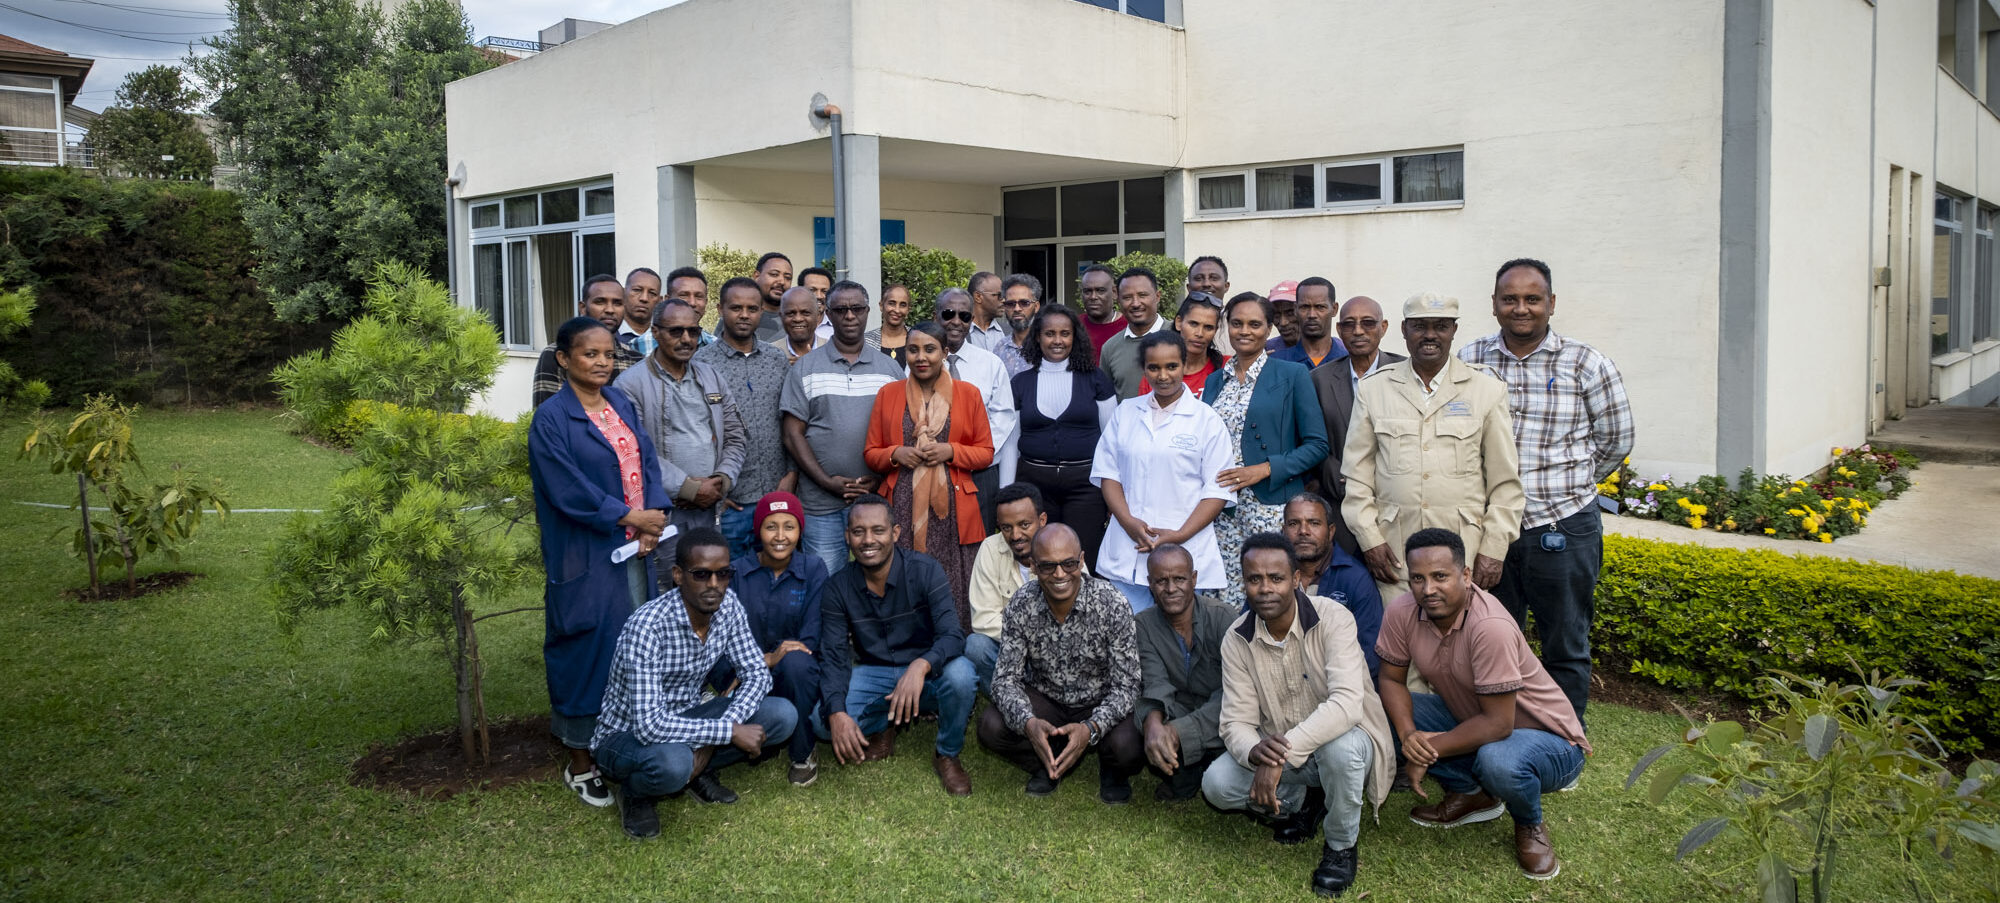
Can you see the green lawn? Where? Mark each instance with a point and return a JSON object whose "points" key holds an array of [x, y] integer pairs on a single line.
{"points": [[177, 748]]}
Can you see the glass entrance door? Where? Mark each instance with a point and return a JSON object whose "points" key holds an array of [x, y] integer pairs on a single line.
{"points": [[1074, 259]]}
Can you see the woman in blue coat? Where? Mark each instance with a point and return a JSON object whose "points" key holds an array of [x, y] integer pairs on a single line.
{"points": [[597, 488], [1275, 425]]}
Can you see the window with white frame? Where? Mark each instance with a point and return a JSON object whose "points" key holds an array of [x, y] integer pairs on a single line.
{"points": [[1432, 178], [532, 251], [1948, 265], [1053, 232], [30, 119]]}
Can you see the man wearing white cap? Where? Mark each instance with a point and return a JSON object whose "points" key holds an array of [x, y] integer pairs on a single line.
{"points": [[1431, 444]]}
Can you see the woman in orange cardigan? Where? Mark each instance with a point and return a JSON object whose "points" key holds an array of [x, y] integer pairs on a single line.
{"points": [[927, 435]]}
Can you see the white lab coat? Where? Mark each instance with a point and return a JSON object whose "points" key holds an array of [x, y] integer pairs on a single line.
{"points": [[1165, 471]]}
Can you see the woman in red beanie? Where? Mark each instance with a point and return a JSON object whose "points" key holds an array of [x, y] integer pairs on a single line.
{"points": [[780, 592]]}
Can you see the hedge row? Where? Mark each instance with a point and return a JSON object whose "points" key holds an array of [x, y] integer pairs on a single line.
{"points": [[1702, 618]]}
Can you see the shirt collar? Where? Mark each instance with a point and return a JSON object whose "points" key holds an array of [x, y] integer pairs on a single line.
{"points": [[1551, 343], [1305, 620]]}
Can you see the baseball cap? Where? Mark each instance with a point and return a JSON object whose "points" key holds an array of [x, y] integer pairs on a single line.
{"points": [[1430, 304], [1287, 290]]}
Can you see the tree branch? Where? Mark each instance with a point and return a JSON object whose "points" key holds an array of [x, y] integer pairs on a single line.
{"points": [[507, 612]]}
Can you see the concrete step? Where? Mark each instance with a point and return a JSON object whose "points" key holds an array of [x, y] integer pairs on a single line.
{"points": [[1945, 434]]}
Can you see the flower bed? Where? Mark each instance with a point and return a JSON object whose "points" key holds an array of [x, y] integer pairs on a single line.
{"points": [[1773, 505]]}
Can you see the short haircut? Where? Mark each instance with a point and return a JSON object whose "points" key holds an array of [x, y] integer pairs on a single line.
{"points": [[685, 273], [1098, 268], [1528, 262], [979, 279], [1170, 548], [1082, 352], [1163, 337], [847, 285], [1274, 541], [868, 498], [1315, 281], [668, 303], [815, 271], [736, 282], [567, 334], [930, 328], [1431, 537], [637, 270], [1313, 498], [1014, 492], [1140, 272], [949, 293], [601, 277], [698, 538], [1262, 303], [768, 256], [1034, 285], [1210, 258]]}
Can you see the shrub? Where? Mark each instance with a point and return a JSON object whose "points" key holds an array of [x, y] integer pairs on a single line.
{"points": [[720, 263], [1171, 272], [414, 348], [925, 272], [16, 308], [1771, 505], [1694, 617]]}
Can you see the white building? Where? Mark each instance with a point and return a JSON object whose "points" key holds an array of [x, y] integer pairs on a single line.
{"points": [[1775, 215]]}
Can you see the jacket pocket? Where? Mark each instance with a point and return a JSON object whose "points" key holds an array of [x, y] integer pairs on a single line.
{"points": [[1459, 438], [1396, 448]]}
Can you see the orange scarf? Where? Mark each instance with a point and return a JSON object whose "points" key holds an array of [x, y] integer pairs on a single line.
{"points": [[930, 484]]}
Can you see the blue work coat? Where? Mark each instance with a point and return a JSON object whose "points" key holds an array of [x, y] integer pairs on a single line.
{"points": [[1282, 427], [579, 498]]}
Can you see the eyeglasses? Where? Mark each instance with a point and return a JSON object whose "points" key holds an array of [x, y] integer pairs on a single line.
{"points": [[1018, 304], [702, 575], [1363, 325], [946, 316], [679, 332], [1051, 568], [848, 310]]}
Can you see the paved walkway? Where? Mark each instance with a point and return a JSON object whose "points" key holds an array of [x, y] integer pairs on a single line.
{"points": [[1946, 434], [1949, 520]]}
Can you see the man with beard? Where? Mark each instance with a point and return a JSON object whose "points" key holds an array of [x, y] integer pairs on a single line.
{"points": [[1003, 564], [1361, 327], [1180, 674], [989, 329], [1284, 300], [1020, 300], [1316, 346], [1309, 743], [1431, 444], [686, 409], [754, 375], [774, 276], [1139, 299], [655, 735], [1329, 572], [603, 301]]}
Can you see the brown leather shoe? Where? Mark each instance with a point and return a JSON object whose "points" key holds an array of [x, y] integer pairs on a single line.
{"points": [[1532, 848], [880, 746], [1458, 809], [952, 775]]}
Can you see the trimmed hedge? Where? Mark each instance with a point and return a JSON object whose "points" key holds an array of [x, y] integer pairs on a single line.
{"points": [[1694, 617]]}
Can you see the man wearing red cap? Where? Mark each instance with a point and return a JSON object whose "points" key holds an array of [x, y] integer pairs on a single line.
{"points": [[1284, 300], [780, 592]]}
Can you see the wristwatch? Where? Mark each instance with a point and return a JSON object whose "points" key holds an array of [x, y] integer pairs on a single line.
{"points": [[1094, 734]]}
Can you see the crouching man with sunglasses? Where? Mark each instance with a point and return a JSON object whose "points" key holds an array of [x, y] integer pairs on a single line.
{"points": [[655, 735]]}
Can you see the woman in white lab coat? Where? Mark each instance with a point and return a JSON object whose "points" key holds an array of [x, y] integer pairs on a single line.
{"points": [[1157, 465]]}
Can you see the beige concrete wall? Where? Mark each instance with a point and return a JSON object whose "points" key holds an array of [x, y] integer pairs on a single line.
{"points": [[1820, 191], [1612, 178]]}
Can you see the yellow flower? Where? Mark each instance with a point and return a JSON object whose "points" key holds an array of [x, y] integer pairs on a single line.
{"points": [[1799, 483], [1795, 512], [1729, 523], [1838, 451], [1657, 487], [1699, 509], [1683, 502], [1694, 522], [1770, 531], [1826, 504], [1826, 537], [1628, 459], [1810, 524]]}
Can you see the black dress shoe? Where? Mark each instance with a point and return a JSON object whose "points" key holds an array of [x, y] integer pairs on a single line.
{"points": [[708, 788], [1114, 790], [1040, 784], [1335, 872], [1302, 825], [640, 815]]}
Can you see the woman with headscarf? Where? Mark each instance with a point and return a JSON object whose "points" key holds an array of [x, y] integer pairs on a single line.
{"points": [[927, 436]]}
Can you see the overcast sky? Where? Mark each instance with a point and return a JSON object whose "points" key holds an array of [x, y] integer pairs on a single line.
{"points": [[126, 35]]}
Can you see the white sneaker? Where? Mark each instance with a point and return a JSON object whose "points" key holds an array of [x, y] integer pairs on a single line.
{"points": [[589, 787]]}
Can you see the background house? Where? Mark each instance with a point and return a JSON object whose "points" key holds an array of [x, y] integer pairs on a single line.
{"points": [[1776, 216], [37, 88]]}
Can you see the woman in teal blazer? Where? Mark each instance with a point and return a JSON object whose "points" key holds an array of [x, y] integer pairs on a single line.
{"points": [[1274, 419]]}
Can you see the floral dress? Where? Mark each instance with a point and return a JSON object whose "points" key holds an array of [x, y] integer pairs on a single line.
{"points": [[1249, 516]]}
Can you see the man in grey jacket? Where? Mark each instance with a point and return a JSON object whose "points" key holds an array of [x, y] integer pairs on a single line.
{"points": [[685, 408], [1180, 674]]}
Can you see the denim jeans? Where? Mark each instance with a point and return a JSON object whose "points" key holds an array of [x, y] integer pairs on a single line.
{"points": [[825, 535], [735, 527], [1139, 597], [1339, 768], [984, 653], [950, 694], [657, 769], [1559, 587], [1517, 770], [795, 679]]}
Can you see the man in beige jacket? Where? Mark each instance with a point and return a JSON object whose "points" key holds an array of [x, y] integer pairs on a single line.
{"points": [[1431, 444], [1307, 736]]}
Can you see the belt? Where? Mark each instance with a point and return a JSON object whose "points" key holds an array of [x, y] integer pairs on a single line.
{"points": [[1057, 463]]}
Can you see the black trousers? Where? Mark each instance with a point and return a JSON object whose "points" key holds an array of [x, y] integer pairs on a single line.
{"points": [[1559, 586], [1072, 500], [1120, 753]]}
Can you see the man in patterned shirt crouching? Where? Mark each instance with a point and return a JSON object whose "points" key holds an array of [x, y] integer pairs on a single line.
{"points": [[655, 735]]}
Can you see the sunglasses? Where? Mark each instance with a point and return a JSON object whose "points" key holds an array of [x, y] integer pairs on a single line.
{"points": [[679, 332], [946, 316], [703, 575], [1051, 568], [848, 310], [1351, 325]]}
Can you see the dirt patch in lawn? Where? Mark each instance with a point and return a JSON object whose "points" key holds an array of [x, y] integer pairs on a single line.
{"points": [[1612, 681], [432, 766], [116, 589]]}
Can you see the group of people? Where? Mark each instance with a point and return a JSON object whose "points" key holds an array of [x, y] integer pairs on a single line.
{"points": [[799, 530]]}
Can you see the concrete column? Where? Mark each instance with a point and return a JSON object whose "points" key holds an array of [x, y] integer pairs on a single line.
{"points": [[861, 228], [677, 226], [1175, 200]]}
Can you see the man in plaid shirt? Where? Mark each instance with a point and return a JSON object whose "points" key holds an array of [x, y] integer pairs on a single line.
{"points": [[1573, 427], [655, 735]]}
